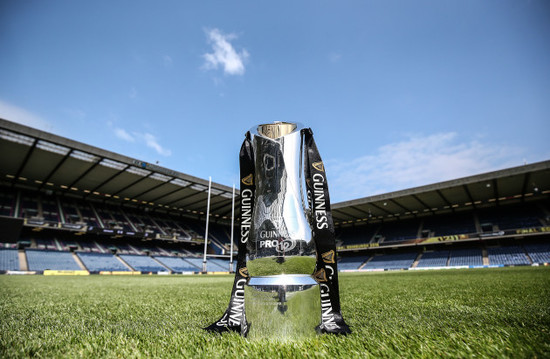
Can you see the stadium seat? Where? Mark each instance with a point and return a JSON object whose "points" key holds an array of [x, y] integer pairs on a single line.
{"points": [[143, 263], [176, 264], [350, 263], [9, 259], [510, 255], [433, 259], [465, 257], [55, 260], [539, 253], [96, 262], [392, 261]]}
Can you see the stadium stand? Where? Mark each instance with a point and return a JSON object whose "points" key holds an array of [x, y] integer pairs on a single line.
{"points": [[9, 259], [69, 196], [196, 262], [401, 231], [220, 264], [514, 217], [448, 225], [391, 261], [466, 257], [177, 264], [356, 235], [143, 263], [539, 252], [510, 255], [433, 259], [39, 260], [351, 263], [96, 262]]}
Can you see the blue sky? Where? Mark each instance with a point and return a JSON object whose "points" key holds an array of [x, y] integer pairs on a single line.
{"points": [[398, 93]]}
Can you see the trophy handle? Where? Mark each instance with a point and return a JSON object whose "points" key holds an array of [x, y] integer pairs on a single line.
{"points": [[305, 206]]}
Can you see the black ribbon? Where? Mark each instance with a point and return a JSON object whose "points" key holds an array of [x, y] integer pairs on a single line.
{"points": [[326, 270], [234, 318]]}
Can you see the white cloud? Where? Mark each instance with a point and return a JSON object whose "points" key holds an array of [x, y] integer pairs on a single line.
{"points": [[167, 61], [17, 114], [417, 161], [151, 141], [140, 138], [224, 54], [123, 135], [334, 57]]}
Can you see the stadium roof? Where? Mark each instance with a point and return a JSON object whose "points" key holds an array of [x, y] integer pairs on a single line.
{"points": [[42, 161], [39, 160], [528, 182]]}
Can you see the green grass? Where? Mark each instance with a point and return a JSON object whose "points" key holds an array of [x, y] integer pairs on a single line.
{"points": [[449, 313], [270, 266]]}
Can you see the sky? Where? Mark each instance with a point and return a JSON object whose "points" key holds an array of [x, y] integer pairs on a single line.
{"points": [[398, 93]]}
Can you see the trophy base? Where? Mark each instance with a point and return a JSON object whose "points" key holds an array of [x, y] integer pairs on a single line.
{"points": [[282, 307]]}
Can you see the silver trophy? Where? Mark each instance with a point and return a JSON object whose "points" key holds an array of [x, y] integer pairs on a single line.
{"points": [[286, 282], [282, 298]]}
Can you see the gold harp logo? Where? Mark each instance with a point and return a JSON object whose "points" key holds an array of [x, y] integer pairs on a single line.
{"points": [[248, 180], [328, 257], [244, 272], [319, 166], [320, 275]]}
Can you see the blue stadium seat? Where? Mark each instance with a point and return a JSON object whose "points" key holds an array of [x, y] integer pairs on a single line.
{"points": [[348, 263], [222, 264], [9, 259], [96, 262], [391, 261], [54, 260], [466, 257], [176, 264], [539, 253], [510, 255], [433, 259], [143, 263]]}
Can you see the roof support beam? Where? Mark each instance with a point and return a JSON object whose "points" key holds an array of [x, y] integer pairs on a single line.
{"points": [[345, 216], [25, 160], [380, 208], [59, 164], [400, 205], [169, 193], [470, 198], [360, 210], [86, 172], [131, 184], [182, 198], [526, 180], [212, 209], [449, 204], [108, 180], [154, 188], [495, 191]]}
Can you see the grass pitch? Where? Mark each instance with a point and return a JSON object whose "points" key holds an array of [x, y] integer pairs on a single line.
{"points": [[448, 313]]}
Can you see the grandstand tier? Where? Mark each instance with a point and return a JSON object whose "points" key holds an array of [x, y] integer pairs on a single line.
{"points": [[65, 204]]}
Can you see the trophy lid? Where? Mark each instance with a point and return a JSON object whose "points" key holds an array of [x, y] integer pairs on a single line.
{"points": [[276, 129]]}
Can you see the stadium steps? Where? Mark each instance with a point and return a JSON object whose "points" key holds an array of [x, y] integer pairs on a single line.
{"points": [[124, 262], [365, 262], [79, 261], [528, 255], [485, 256], [23, 265], [417, 259], [162, 264]]}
